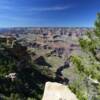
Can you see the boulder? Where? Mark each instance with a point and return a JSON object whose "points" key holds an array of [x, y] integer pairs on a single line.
{"points": [[57, 91]]}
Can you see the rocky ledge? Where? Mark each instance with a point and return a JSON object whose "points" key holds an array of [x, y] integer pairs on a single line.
{"points": [[57, 91]]}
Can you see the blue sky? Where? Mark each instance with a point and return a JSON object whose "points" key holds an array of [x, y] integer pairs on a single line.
{"points": [[72, 13]]}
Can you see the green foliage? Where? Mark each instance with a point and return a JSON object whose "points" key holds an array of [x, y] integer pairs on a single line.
{"points": [[88, 63], [78, 63], [78, 88], [97, 26], [85, 42]]}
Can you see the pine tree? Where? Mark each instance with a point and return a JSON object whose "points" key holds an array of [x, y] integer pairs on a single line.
{"points": [[89, 62]]}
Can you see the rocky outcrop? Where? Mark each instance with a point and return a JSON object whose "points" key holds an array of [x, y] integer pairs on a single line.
{"points": [[57, 91]]}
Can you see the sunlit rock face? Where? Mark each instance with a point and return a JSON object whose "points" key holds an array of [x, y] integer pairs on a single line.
{"points": [[56, 91]]}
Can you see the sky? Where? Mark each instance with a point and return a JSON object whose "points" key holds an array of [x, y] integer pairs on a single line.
{"points": [[48, 13]]}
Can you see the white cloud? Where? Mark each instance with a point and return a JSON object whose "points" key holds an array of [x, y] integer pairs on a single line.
{"points": [[27, 8], [55, 8]]}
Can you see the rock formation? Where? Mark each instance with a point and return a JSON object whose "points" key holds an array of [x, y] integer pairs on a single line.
{"points": [[57, 91]]}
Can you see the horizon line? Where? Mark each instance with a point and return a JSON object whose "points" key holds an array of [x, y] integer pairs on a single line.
{"points": [[48, 27]]}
